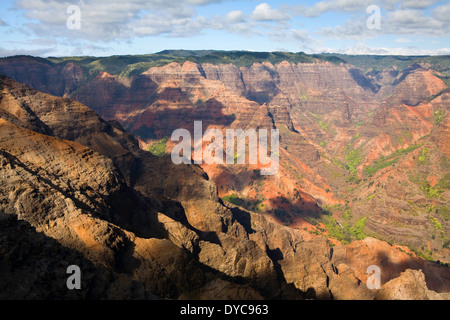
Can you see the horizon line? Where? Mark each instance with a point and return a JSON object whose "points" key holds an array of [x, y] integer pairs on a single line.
{"points": [[221, 50]]}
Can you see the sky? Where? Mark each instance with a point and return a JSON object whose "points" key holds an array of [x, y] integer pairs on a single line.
{"points": [[118, 27]]}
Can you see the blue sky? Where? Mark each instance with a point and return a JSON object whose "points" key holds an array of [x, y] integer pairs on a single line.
{"points": [[110, 27]]}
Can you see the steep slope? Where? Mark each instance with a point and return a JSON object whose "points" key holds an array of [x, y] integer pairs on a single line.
{"points": [[173, 239], [364, 144], [77, 196]]}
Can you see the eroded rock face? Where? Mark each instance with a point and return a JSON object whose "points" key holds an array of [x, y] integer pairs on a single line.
{"points": [[78, 197], [40, 263], [161, 229], [358, 256], [410, 285], [415, 85], [338, 127]]}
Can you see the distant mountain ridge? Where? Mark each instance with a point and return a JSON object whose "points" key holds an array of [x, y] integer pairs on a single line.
{"points": [[117, 65]]}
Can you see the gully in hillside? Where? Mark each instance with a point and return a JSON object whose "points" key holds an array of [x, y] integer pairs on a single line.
{"points": [[214, 153]]}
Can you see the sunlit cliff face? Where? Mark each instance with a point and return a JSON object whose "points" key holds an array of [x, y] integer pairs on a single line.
{"points": [[359, 155]]}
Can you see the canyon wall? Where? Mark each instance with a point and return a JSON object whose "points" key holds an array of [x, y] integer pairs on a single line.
{"points": [[354, 145]]}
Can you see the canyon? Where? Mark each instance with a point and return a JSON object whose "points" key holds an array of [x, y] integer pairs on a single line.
{"points": [[363, 178]]}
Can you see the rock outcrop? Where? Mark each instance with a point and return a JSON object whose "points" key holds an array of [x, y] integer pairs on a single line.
{"points": [[81, 186], [409, 286]]}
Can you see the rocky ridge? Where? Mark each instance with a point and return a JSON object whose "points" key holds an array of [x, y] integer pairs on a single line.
{"points": [[141, 227]]}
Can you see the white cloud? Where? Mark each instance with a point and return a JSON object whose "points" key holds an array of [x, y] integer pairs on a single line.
{"points": [[414, 22], [31, 52], [362, 49], [155, 25], [203, 2], [104, 21], [358, 6], [235, 16], [113, 20], [301, 39], [403, 40], [417, 4], [263, 12], [355, 29], [117, 20], [399, 22], [442, 13], [333, 5], [301, 35], [405, 17]]}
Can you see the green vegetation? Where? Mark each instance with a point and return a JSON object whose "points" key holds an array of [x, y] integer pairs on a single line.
{"points": [[439, 228], [317, 119], [352, 160], [422, 157], [254, 205], [159, 148], [283, 216], [431, 191], [247, 58], [436, 223], [426, 254], [388, 161], [131, 65], [199, 102], [323, 126], [234, 199], [444, 182], [338, 163], [122, 66], [434, 96], [380, 62], [347, 214], [438, 116], [444, 211], [357, 229], [345, 233], [374, 63], [378, 165], [406, 150]]}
